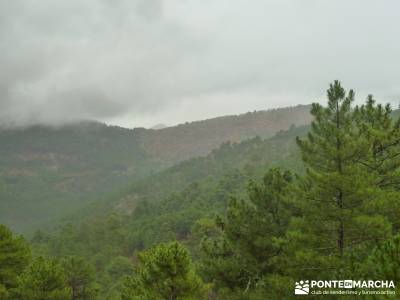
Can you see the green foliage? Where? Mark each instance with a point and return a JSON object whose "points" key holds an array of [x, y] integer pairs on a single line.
{"points": [[245, 246], [3, 292], [45, 279], [168, 205], [384, 261], [337, 191], [119, 267], [251, 233], [47, 173], [381, 134], [14, 257], [325, 225], [80, 277], [164, 272]]}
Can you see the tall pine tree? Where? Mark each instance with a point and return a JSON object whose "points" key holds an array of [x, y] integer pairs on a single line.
{"points": [[336, 192], [381, 134], [80, 277]]}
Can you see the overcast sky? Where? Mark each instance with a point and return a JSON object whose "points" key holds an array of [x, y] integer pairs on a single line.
{"points": [[142, 62]]}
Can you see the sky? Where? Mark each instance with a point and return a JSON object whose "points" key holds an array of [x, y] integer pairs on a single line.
{"points": [[137, 63]]}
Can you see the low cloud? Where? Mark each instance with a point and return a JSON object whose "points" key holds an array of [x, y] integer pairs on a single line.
{"points": [[140, 62]]}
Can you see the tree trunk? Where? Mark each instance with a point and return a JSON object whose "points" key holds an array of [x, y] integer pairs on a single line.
{"points": [[339, 199]]}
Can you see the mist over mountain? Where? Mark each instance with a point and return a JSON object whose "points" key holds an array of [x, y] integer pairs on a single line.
{"points": [[199, 150], [210, 198], [141, 62], [47, 172]]}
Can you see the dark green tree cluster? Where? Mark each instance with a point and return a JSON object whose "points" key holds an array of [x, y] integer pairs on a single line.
{"points": [[164, 272], [14, 258], [69, 278], [244, 248], [324, 223], [351, 161]]}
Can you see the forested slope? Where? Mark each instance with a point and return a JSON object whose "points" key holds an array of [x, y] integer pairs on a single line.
{"points": [[251, 220], [48, 172], [167, 205]]}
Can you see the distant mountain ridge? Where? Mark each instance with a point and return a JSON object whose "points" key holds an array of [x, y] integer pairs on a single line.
{"points": [[159, 126], [198, 138], [45, 172]]}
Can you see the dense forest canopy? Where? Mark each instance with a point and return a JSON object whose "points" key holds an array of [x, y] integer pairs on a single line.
{"points": [[246, 221]]}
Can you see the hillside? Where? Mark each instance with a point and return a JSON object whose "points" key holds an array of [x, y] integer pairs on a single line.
{"points": [[199, 138], [167, 205], [48, 172], [184, 202]]}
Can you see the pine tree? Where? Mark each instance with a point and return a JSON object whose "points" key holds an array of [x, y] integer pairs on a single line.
{"points": [[381, 134], [164, 272], [80, 277], [336, 192], [246, 250], [14, 257], [43, 280], [384, 262], [119, 267]]}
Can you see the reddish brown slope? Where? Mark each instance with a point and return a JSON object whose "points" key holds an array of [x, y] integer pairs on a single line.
{"points": [[199, 138]]}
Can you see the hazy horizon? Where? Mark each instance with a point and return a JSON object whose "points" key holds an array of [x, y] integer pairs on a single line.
{"points": [[164, 125], [144, 62]]}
